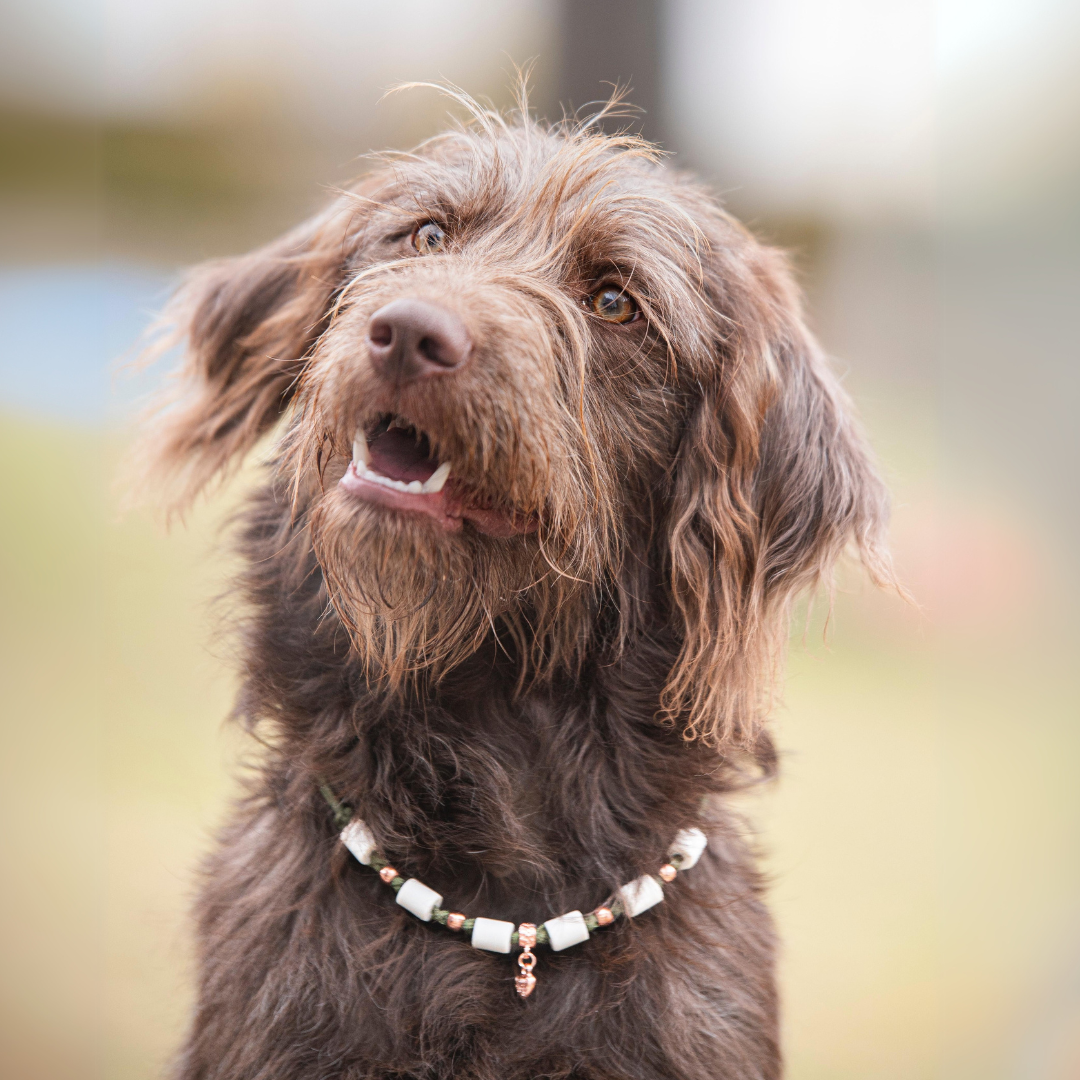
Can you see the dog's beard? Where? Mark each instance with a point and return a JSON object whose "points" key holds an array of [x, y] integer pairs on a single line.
{"points": [[415, 602]]}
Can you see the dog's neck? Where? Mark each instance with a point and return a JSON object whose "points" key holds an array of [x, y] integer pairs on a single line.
{"points": [[507, 796]]}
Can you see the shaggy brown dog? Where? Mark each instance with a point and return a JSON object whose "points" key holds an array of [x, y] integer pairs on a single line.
{"points": [[527, 680]]}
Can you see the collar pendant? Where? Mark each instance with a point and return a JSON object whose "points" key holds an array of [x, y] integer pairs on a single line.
{"points": [[525, 981]]}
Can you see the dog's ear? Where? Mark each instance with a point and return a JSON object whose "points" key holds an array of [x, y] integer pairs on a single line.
{"points": [[247, 325], [773, 480]]}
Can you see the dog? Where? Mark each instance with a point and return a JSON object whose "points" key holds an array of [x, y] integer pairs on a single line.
{"points": [[554, 453]]}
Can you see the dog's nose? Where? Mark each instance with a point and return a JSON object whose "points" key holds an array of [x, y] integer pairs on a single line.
{"points": [[410, 340]]}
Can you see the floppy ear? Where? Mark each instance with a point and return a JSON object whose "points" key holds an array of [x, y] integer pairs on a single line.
{"points": [[248, 324], [773, 480]]}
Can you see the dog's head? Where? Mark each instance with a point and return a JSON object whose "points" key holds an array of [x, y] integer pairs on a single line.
{"points": [[537, 386]]}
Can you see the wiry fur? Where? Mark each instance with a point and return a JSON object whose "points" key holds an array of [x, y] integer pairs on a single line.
{"points": [[524, 721]]}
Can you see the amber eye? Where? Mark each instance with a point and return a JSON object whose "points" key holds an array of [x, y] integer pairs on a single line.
{"points": [[428, 238], [614, 305]]}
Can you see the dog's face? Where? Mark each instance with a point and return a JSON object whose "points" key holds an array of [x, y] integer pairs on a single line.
{"points": [[496, 395], [535, 387]]}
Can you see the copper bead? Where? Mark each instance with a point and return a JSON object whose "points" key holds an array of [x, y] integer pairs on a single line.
{"points": [[455, 920], [527, 935], [668, 872], [388, 873], [604, 917]]}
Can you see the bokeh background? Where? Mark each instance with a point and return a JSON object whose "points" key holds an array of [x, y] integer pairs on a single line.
{"points": [[921, 161]]}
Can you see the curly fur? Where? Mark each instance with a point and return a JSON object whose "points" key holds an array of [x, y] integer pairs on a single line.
{"points": [[524, 721]]}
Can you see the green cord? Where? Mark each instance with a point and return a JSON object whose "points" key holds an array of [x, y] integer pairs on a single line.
{"points": [[342, 814]]}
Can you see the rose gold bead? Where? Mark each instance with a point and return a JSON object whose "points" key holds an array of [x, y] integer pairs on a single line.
{"points": [[455, 920], [668, 872], [527, 935], [604, 916], [388, 873]]}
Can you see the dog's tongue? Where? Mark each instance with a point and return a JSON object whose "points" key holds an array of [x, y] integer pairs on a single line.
{"points": [[397, 455]]}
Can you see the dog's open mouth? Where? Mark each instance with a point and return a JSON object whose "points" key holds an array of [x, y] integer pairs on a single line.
{"points": [[393, 466]]}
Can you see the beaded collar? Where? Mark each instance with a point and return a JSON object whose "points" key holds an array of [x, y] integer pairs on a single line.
{"points": [[496, 935]]}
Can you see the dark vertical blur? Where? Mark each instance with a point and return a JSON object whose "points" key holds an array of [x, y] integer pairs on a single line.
{"points": [[607, 43]]}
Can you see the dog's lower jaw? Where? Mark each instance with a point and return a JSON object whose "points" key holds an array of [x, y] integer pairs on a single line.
{"points": [[448, 508], [435, 505]]}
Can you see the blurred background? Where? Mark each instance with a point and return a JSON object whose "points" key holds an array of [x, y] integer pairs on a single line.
{"points": [[920, 160]]}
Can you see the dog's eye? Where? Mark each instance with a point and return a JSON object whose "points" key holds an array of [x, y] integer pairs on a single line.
{"points": [[613, 305], [428, 238]]}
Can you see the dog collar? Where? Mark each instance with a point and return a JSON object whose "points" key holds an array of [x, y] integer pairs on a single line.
{"points": [[496, 935]]}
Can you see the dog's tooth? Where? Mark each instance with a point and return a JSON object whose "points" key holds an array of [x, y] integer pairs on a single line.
{"points": [[436, 480], [360, 450], [377, 478], [414, 487]]}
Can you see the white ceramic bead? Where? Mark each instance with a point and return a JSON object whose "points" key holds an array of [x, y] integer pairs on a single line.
{"points": [[416, 897], [689, 843], [566, 930], [356, 836], [640, 895], [492, 934]]}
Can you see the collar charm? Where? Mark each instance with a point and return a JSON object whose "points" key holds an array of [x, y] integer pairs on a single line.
{"points": [[525, 981]]}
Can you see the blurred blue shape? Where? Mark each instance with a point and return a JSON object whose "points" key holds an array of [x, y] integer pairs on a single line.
{"points": [[66, 332]]}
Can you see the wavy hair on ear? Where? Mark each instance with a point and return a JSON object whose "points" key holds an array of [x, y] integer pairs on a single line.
{"points": [[247, 325], [773, 480]]}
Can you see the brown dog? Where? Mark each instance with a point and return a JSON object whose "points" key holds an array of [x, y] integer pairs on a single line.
{"points": [[556, 455]]}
